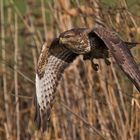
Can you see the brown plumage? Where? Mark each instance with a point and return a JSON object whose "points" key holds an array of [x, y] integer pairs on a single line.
{"points": [[96, 43], [121, 53], [51, 64]]}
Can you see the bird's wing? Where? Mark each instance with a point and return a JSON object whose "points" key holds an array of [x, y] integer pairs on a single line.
{"points": [[131, 44], [120, 52], [51, 64]]}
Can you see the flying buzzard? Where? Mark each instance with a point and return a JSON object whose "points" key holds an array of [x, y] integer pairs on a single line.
{"points": [[97, 43]]}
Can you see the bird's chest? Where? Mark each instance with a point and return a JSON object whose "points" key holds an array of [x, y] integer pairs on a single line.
{"points": [[81, 45]]}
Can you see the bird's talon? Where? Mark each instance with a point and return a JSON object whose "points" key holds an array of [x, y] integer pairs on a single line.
{"points": [[107, 61], [95, 66]]}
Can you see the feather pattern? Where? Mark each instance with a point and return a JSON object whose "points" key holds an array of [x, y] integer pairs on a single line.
{"points": [[46, 82], [54, 59], [121, 53]]}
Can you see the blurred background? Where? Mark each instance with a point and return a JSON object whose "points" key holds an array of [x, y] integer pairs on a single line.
{"points": [[101, 105]]}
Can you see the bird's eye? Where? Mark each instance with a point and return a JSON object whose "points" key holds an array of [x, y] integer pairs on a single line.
{"points": [[67, 36]]}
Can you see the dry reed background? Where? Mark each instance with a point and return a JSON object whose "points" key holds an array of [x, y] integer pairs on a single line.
{"points": [[101, 105]]}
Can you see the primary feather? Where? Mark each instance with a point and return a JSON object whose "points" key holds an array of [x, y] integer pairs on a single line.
{"points": [[121, 53]]}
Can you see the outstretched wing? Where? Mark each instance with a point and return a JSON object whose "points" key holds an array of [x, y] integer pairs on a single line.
{"points": [[51, 64], [121, 53]]}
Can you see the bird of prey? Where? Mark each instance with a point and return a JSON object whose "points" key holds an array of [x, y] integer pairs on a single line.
{"points": [[98, 42]]}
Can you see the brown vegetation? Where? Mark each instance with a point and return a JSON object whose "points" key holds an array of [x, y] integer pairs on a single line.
{"points": [[89, 105]]}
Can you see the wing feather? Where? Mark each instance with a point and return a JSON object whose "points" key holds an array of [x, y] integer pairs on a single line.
{"points": [[52, 63], [121, 53]]}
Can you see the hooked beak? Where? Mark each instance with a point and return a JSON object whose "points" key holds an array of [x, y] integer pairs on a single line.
{"points": [[62, 40]]}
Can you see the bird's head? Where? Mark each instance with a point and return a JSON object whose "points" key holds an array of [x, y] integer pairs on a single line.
{"points": [[76, 40]]}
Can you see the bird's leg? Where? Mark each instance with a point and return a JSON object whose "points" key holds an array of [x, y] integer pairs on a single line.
{"points": [[95, 66], [90, 57], [87, 56], [105, 57], [107, 61]]}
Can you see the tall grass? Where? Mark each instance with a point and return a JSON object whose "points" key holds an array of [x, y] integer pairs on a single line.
{"points": [[89, 105]]}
